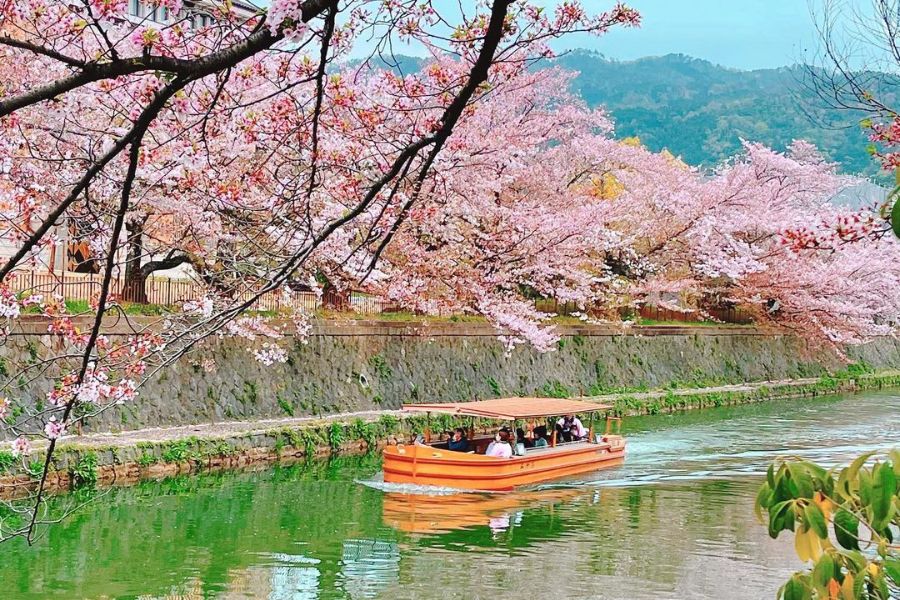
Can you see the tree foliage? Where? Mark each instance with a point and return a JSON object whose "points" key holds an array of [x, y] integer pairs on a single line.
{"points": [[845, 524]]}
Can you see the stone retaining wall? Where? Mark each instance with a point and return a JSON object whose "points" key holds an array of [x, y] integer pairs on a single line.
{"points": [[365, 365]]}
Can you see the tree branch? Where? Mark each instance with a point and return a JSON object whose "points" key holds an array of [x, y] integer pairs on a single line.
{"points": [[92, 72]]}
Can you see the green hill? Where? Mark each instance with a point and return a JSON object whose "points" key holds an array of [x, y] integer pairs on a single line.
{"points": [[700, 111]]}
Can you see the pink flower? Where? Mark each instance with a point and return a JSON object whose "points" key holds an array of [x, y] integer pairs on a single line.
{"points": [[21, 447], [107, 9], [54, 429]]}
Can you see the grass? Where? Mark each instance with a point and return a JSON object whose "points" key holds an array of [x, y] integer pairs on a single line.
{"points": [[76, 307], [653, 322]]}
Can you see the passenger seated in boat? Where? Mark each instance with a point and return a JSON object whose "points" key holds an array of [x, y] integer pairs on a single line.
{"points": [[527, 439], [458, 442], [570, 429], [500, 447], [539, 435], [522, 442]]}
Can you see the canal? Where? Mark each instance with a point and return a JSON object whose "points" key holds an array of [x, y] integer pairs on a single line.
{"points": [[675, 521]]}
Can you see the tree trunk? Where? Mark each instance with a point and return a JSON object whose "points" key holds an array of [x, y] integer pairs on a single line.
{"points": [[134, 289]]}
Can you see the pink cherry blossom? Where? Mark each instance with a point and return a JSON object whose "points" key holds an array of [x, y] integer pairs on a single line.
{"points": [[54, 429], [20, 447]]}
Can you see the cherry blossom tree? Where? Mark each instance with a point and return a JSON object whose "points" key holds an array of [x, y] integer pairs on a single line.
{"points": [[759, 233], [248, 148], [856, 66]]}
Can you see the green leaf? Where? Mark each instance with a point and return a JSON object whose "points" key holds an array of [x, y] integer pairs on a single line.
{"points": [[801, 484], [865, 487], [881, 587], [823, 571], [794, 589], [778, 515], [814, 470], [770, 476], [763, 500], [816, 520], [782, 489], [895, 458], [883, 489], [844, 483], [858, 584], [892, 568], [895, 219], [846, 529], [857, 464]]}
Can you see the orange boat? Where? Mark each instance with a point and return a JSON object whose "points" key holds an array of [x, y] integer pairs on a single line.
{"points": [[434, 464]]}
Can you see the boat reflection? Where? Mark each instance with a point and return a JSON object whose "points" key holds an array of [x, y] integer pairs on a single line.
{"points": [[428, 515]]}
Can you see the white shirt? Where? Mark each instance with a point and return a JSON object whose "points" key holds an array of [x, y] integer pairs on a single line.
{"points": [[499, 450], [577, 428]]}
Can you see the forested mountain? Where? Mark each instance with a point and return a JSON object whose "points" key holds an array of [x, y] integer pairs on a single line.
{"points": [[700, 111]]}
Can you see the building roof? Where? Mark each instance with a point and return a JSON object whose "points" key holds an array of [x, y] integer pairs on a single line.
{"points": [[510, 408]]}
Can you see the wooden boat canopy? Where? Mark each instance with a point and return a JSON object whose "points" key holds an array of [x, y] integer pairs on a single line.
{"points": [[510, 409]]}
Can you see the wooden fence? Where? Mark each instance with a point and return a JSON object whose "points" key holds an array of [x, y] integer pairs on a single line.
{"points": [[734, 315], [166, 291]]}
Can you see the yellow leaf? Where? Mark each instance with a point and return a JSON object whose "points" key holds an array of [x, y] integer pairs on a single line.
{"points": [[815, 545], [801, 545], [847, 587], [824, 504]]}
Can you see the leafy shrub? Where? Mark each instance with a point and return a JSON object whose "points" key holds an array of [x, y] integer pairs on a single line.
{"points": [[336, 436], [843, 523], [84, 473]]}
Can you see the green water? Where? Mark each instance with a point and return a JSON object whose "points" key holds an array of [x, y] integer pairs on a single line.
{"points": [[675, 521]]}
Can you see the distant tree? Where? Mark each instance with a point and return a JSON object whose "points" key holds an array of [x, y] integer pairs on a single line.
{"points": [[857, 67]]}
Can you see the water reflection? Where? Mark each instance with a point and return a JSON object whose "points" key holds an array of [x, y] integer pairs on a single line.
{"points": [[369, 566], [426, 514], [675, 521]]}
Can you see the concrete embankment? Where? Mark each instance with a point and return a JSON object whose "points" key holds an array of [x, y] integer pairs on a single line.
{"points": [[125, 457]]}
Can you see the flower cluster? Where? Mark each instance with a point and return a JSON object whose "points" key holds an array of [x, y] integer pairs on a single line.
{"points": [[10, 306], [270, 353], [20, 447], [54, 429], [202, 307]]}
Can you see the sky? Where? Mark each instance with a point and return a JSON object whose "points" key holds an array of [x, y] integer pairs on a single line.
{"points": [[743, 34]]}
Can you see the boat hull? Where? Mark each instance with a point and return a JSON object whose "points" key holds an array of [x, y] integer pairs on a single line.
{"points": [[425, 465]]}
